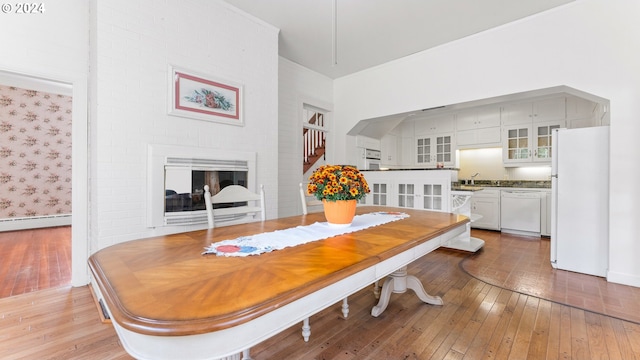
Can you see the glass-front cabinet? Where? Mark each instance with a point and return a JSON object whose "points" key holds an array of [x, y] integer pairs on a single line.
{"points": [[529, 143], [431, 150], [517, 147], [413, 189], [378, 195], [423, 194], [432, 198], [406, 195], [544, 146]]}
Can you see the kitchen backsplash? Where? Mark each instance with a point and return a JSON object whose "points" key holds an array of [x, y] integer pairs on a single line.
{"points": [[536, 184]]}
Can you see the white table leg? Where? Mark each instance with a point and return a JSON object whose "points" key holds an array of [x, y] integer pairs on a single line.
{"points": [[345, 308], [306, 329], [398, 282], [246, 355]]}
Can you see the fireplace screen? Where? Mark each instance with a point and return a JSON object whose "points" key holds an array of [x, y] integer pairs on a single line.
{"points": [[184, 187]]}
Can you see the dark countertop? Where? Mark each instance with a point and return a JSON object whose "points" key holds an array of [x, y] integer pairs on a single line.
{"points": [[416, 169], [530, 184], [455, 187]]}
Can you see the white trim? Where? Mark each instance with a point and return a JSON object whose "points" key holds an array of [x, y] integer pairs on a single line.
{"points": [[76, 86], [22, 223]]}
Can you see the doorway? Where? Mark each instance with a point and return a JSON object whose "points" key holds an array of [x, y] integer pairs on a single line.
{"points": [[75, 180]]}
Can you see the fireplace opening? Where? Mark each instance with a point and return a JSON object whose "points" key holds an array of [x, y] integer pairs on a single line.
{"points": [[178, 174], [184, 188]]}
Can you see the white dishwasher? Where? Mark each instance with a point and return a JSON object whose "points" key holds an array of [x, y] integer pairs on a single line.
{"points": [[520, 212]]}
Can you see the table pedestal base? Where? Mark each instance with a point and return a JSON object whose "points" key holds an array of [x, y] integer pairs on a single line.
{"points": [[398, 282]]}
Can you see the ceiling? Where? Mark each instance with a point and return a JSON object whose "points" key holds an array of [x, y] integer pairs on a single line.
{"points": [[373, 32]]}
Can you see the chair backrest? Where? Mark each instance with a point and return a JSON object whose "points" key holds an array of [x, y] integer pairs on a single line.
{"points": [[236, 214], [307, 201]]}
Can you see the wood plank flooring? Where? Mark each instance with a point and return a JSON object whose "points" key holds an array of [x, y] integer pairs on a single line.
{"points": [[32, 260], [479, 319], [523, 264]]}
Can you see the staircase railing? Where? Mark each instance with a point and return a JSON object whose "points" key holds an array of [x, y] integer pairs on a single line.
{"points": [[313, 143]]}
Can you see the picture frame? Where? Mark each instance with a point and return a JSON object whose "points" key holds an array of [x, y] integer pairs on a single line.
{"points": [[203, 97]]}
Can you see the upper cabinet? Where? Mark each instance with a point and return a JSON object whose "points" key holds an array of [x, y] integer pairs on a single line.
{"points": [[367, 142], [527, 130], [434, 141], [432, 150], [528, 144], [521, 124], [389, 150], [437, 124], [552, 109], [478, 127]]}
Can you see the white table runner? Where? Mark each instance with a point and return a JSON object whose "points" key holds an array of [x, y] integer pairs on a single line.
{"points": [[280, 239]]}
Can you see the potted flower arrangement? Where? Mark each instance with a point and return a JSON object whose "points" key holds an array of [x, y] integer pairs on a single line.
{"points": [[338, 187]]}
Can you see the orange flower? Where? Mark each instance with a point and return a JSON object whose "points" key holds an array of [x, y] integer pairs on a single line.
{"points": [[336, 182]]}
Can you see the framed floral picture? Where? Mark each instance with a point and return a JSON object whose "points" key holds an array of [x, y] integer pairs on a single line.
{"points": [[204, 97]]}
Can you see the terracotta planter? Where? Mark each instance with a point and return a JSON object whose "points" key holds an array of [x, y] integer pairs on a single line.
{"points": [[339, 213]]}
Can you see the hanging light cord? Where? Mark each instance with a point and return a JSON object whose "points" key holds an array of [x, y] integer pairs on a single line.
{"points": [[334, 33]]}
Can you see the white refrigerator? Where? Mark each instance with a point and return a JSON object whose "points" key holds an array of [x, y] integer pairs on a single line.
{"points": [[580, 200]]}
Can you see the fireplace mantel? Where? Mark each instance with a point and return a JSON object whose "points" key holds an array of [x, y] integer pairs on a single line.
{"points": [[187, 157]]}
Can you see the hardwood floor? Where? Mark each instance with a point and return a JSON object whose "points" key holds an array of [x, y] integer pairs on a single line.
{"points": [[32, 260], [482, 316], [523, 264]]}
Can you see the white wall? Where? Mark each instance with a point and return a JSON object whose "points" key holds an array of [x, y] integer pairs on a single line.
{"points": [[590, 45], [53, 45], [297, 85], [134, 43]]}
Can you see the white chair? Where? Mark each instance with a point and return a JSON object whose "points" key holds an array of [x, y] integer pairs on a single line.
{"points": [[307, 201], [235, 214]]}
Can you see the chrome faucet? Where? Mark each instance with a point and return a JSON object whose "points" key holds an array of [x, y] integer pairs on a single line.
{"points": [[473, 178]]}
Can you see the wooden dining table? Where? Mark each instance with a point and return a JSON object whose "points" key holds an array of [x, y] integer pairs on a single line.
{"points": [[167, 300]]}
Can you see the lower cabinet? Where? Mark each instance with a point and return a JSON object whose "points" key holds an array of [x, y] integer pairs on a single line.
{"points": [[545, 214], [486, 203], [420, 189]]}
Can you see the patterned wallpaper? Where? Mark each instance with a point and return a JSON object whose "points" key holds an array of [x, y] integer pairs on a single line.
{"points": [[35, 153]]}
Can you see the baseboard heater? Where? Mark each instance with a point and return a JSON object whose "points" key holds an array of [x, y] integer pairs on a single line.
{"points": [[34, 222]]}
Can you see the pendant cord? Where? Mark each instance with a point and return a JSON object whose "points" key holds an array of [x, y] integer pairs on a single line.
{"points": [[335, 33]]}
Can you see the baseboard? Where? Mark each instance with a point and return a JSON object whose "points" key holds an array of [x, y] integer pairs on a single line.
{"points": [[36, 222], [623, 279]]}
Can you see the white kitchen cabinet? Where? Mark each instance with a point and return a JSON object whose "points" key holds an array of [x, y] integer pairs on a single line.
{"points": [[431, 150], [436, 124], [367, 142], [414, 189], [407, 152], [545, 214], [486, 203], [478, 127], [544, 110], [478, 137], [389, 150], [380, 193], [478, 118], [434, 141], [422, 194], [528, 144]]}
